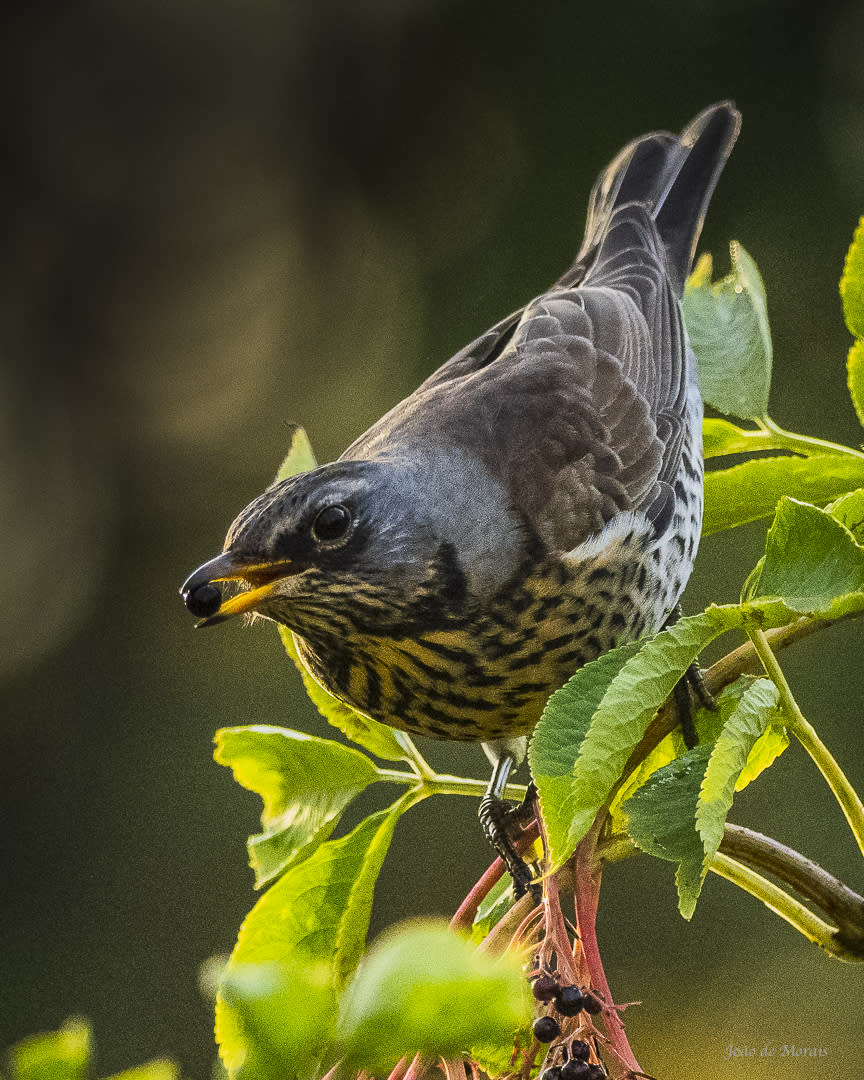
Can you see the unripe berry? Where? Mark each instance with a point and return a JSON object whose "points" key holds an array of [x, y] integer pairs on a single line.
{"points": [[544, 988]]}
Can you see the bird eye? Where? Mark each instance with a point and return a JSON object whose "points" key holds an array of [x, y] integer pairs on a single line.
{"points": [[332, 523]]}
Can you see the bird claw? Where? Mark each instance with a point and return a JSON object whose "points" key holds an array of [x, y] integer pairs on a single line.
{"points": [[497, 819]]}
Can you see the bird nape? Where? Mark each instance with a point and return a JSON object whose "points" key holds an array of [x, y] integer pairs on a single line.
{"points": [[534, 503]]}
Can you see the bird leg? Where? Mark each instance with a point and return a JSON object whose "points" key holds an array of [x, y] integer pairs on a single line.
{"points": [[690, 680], [498, 817]]}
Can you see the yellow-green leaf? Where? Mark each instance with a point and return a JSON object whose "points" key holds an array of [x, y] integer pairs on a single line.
{"points": [[752, 490], [855, 377], [300, 456], [727, 324], [305, 782], [852, 284], [423, 989], [54, 1055]]}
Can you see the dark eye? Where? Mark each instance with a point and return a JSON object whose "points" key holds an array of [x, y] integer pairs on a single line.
{"points": [[331, 523]]}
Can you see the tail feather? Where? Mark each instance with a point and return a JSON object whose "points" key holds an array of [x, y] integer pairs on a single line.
{"points": [[673, 177]]}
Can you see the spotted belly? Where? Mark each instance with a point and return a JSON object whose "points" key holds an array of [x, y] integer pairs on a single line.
{"points": [[488, 675]]}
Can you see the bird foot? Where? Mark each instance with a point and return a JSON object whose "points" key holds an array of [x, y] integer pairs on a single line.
{"points": [[499, 820]]}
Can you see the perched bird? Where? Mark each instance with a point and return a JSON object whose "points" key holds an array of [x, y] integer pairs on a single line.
{"points": [[535, 502]]}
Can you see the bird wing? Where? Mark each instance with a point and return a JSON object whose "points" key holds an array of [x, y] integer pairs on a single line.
{"points": [[576, 404]]}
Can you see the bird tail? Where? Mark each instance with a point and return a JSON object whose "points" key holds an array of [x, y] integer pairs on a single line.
{"points": [[673, 178]]}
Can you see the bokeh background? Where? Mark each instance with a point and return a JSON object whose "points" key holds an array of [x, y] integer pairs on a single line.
{"points": [[221, 218]]}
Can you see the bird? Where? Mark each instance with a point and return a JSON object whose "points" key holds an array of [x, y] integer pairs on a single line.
{"points": [[534, 503]]}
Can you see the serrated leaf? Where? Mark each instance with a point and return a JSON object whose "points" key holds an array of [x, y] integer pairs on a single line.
{"points": [[54, 1055], [749, 720], [855, 377], [305, 782], [849, 511], [159, 1069], [727, 324], [662, 821], [558, 736], [852, 284], [423, 989], [584, 739], [300, 457], [708, 724], [379, 739], [812, 563], [307, 930], [767, 748], [752, 490]]}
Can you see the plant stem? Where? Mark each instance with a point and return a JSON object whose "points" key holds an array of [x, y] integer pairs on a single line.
{"points": [[782, 904], [467, 911], [844, 793], [804, 444], [443, 784], [587, 896], [413, 756], [839, 903]]}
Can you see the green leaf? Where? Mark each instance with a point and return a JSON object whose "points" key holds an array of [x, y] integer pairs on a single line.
{"points": [[849, 510], [590, 727], [855, 377], [767, 748], [300, 457], [423, 989], [305, 783], [55, 1055], [752, 490], [557, 738], [160, 1069], [852, 284], [812, 563], [727, 324], [750, 719], [378, 738], [494, 907], [302, 940], [721, 438], [662, 821], [273, 1020]]}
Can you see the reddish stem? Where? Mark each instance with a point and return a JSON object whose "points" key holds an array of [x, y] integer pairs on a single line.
{"points": [[399, 1070], [464, 917], [587, 895]]}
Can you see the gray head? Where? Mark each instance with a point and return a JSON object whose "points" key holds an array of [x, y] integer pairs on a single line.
{"points": [[354, 544]]}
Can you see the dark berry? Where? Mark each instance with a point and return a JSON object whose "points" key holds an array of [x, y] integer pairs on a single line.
{"points": [[204, 601], [569, 1000], [592, 1004], [552, 1073], [595, 1073], [580, 1050], [544, 988], [576, 1070], [546, 1028]]}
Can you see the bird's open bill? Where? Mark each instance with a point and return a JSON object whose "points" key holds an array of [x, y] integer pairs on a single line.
{"points": [[263, 578]]}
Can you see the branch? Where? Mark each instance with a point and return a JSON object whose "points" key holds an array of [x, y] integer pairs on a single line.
{"points": [[843, 906]]}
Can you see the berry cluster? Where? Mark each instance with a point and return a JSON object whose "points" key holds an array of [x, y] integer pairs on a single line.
{"points": [[567, 1000]]}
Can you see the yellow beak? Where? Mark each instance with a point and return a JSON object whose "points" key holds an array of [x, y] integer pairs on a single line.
{"points": [[264, 578]]}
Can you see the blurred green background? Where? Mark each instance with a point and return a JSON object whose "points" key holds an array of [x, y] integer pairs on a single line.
{"points": [[222, 218]]}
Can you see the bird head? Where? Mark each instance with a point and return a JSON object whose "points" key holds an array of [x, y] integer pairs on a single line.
{"points": [[340, 546]]}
